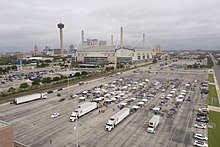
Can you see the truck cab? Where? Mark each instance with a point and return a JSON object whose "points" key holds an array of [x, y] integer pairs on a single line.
{"points": [[73, 116], [43, 96], [150, 129], [110, 125]]}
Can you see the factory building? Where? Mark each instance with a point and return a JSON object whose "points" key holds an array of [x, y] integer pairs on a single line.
{"points": [[113, 54]]}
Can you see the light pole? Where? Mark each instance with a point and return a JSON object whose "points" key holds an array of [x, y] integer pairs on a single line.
{"points": [[68, 86]]}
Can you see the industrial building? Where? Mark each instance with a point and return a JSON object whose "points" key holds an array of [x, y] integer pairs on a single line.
{"points": [[113, 54]]}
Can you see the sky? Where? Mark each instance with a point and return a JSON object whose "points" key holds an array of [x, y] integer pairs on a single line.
{"points": [[174, 24]]}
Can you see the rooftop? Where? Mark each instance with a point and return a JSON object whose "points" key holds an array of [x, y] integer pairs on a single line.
{"points": [[3, 124]]}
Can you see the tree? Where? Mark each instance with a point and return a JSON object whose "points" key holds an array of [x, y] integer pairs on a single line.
{"points": [[36, 82], [24, 86], [47, 61], [11, 89], [84, 73], [46, 80], [195, 65], [77, 74], [109, 68], [56, 78]]}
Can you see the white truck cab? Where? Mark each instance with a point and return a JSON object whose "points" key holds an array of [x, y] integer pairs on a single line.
{"points": [[73, 116], [110, 125]]}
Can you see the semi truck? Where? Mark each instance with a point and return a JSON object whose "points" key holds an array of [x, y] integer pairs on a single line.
{"points": [[82, 110], [28, 98], [116, 119], [153, 123]]}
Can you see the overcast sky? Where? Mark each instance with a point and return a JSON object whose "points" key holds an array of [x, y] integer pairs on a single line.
{"points": [[174, 24]]}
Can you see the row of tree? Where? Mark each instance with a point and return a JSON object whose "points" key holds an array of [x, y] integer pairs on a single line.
{"points": [[47, 80]]}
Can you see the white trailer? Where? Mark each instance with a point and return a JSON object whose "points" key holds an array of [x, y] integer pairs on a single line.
{"points": [[28, 98], [153, 123], [82, 110], [117, 118]]}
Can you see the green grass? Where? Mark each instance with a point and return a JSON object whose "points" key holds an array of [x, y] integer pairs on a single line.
{"points": [[214, 133], [213, 94], [211, 78]]}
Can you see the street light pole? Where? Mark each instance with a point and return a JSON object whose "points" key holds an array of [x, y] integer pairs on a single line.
{"points": [[68, 85]]}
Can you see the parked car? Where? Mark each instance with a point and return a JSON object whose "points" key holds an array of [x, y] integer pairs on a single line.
{"points": [[200, 144], [50, 91], [202, 119], [189, 98], [204, 91], [60, 89], [58, 94], [62, 99], [54, 115], [200, 126], [201, 114], [200, 137], [151, 107]]}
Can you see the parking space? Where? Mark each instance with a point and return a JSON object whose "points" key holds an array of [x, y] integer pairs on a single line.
{"points": [[160, 92]]}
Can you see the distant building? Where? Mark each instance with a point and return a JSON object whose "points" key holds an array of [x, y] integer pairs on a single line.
{"points": [[20, 55], [6, 135], [57, 51], [111, 54], [72, 49], [2, 54], [35, 53], [158, 49], [117, 55], [102, 43]]}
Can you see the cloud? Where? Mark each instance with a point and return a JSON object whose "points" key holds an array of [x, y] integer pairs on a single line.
{"points": [[182, 24]]}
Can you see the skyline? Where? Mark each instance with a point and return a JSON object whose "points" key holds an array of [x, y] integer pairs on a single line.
{"points": [[173, 24]]}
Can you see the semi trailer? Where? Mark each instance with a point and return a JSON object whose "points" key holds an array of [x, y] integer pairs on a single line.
{"points": [[117, 118], [28, 98], [153, 123], [82, 110]]}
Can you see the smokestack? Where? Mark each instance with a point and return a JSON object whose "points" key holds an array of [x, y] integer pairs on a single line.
{"points": [[82, 39], [112, 42], [143, 40], [121, 37]]}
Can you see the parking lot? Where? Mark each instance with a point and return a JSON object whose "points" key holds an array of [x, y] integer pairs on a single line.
{"points": [[33, 125]]}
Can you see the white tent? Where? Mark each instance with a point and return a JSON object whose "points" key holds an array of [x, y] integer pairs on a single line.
{"points": [[107, 95], [183, 93], [169, 95], [84, 92], [123, 104], [133, 99], [145, 100], [108, 100], [183, 90], [140, 103], [174, 89], [113, 99], [82, 98], [181, 96], [97, 91], [135, 107], [146, 80], [172, 92]]}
